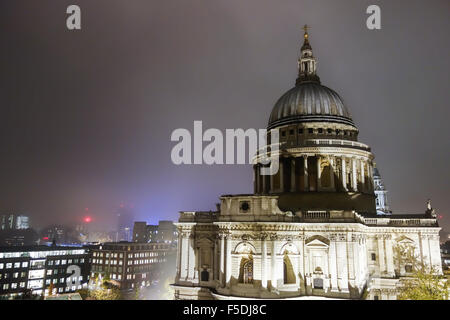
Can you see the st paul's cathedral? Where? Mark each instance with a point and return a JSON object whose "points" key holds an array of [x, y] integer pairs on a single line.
{"points": [[320, 228]]}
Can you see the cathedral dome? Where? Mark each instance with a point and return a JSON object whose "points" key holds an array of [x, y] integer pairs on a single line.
{"points": [[309, 101]]}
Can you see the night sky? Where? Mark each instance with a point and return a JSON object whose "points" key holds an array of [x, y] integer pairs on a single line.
{"points": [[86, 116]]}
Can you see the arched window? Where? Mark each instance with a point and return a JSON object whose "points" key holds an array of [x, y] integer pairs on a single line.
{"points": [[247, 271], [288, 272]]}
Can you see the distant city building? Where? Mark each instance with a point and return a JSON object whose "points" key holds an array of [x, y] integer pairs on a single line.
{"points": [[130, 264], [59, 234], [380, 191], [14, 221], [165, 232], [152, 231], [125, 219], [15, 230], [140, 233], [18, 237], [34, 268], [99, 237]]}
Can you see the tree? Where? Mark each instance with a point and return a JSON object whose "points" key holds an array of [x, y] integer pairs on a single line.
{"points": [[422, 282], [137, 293], [112, 293]]}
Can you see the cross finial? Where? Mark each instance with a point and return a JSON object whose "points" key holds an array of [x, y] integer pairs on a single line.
{"points": [[305, 28]]}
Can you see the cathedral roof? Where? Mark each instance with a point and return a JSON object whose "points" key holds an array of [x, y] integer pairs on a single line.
{"points": [[309, 101]]}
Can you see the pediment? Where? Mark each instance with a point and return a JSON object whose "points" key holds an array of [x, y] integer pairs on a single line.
{"points": [[405, 240], [318, 243]]}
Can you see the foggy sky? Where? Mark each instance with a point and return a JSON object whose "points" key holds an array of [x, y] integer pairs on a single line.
{"points": [[86, 116]]}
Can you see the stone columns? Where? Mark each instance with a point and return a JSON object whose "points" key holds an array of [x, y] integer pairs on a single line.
{"points": [[350, 261], [332, 186], [222, 261], [344, 173], [271, 185], [191, 257], [389, 257], [263, 183], [333, 264], [305, 173], [180, 239], [354, 178], [426, 250], [293, 184], [319, 172], [342, 262], [363, 185], [184, 252], [273, 277], [214, 262], [356, 259], [381, 257], [228, 262], [264, 263]]}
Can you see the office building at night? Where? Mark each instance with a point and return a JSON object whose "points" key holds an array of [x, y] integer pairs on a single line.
{"points": [[129, 264], [34, 268], [164, 232], [12, 221]]}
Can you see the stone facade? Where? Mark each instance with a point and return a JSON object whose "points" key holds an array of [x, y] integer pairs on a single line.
{"points": [[328, 254]]}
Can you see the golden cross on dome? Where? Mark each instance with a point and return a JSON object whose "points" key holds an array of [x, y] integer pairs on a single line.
{"points": [[305, 28]]}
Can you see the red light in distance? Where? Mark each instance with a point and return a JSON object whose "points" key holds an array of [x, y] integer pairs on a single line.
{"points": [[87, 219]]}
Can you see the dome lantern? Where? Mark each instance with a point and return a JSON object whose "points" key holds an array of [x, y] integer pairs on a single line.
{"points": [[307, 63]]}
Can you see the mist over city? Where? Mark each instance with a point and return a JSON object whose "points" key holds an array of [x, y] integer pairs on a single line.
{"points": [[105, 190]]}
